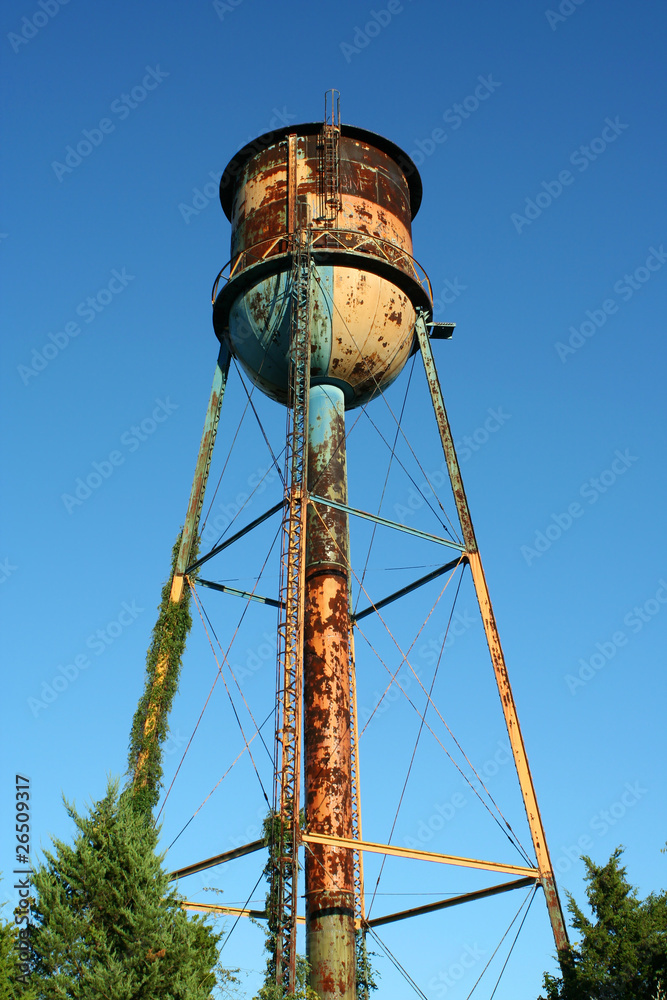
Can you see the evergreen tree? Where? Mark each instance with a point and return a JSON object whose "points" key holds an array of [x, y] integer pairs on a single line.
{"points": [[622, 954], [107, 925], [11, 970]]}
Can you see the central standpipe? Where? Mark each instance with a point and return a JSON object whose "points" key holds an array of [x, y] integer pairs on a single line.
{"points": [[330, 928]]}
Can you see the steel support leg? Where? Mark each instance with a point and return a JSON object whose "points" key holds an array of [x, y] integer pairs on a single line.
{"points": [[202, 467], [497, 658], [188, 538]]}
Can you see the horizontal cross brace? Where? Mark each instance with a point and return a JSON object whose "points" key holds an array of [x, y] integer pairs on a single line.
{"points": [[234, 911], [230, 541], [405, 590], [415, 911], [224, 589], [218, 859], [467, 897], [386, 523], [406, 852]]}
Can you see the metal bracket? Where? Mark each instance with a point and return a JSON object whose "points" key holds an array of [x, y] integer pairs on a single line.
{"points": [[441, 331]]}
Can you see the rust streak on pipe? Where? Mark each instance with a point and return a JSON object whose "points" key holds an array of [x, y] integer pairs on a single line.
{"points": [[330, 921]]}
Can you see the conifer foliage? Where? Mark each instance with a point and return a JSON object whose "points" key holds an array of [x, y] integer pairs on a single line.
{"points": [[622, 953], [13, 983], [107, 925]]}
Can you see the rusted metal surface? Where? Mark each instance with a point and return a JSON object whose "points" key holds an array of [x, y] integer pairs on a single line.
{"points": [[215, 909], [323, 242], [358, 188], [291, 183], [359, 890], [495, 648], [366, 515], [287, 778], [372, 191], [398, 161], [444, 904], [371, 331], [361, 327], [330, 203], [218, 859], [417, 855], [330, 917]]}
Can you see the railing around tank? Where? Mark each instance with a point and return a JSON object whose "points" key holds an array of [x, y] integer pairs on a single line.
{"points": [[326, 239]]}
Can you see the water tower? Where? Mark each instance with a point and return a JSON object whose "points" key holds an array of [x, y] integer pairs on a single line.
{"points": [[322, 303]]}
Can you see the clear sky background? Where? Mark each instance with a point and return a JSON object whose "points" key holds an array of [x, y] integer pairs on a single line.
{"points": [[543, 231]]}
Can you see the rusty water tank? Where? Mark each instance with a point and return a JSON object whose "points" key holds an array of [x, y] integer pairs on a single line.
{"points": [[357, 193]]}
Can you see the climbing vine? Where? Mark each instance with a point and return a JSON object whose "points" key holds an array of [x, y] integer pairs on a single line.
{"points": [[163, 664], [365, 974], [274, 830]]}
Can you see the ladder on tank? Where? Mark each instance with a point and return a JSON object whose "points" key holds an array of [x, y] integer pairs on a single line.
{"points": [[330, 203]]}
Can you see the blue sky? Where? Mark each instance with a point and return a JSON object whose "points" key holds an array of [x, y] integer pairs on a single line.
{"points": [[539, 136]]}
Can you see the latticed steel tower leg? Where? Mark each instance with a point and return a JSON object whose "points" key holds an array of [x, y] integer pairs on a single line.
{"points": [[497, 657], [314, 650], [285, 848]]}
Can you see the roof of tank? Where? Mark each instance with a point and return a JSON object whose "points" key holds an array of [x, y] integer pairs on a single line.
{"points": [[232, 169]]}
